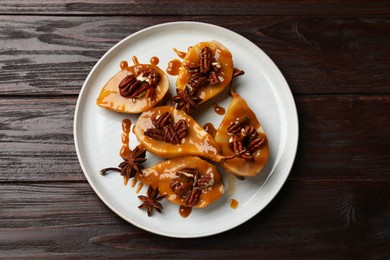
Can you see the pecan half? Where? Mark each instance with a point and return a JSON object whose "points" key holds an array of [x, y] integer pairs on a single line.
{"points": [[162, 120], [128, 85], [134, 85], [181, 188], [165, 130], [155, 134], [171, 135], [152, 75], [244, 139], [198, 80], [235, 127], [190, 185], [255, 144], [193, 197], [205, 60], [213, 78], [181, 128]]}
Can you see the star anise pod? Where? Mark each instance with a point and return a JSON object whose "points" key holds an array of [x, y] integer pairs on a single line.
{"points": [[186, 99], [131, 164], [151, 201]]}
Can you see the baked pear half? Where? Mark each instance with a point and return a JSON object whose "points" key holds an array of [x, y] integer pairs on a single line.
{"points": [[241, 134], [187, 181], [134, 89], [207, 69], [168, 132]]}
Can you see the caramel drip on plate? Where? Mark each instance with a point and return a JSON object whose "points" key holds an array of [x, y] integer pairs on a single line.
{"points": [[154, 60], [135, 60], [124, 64], [209, 128], [185, 211], [233, 203], [173, 68], [181, 54], [125, 150], [139, 187], [133, 182], [218, 109]]}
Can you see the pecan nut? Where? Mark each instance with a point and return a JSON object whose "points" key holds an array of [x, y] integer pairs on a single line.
{"points": [[205, 60], [128, 85], [155, 134], [162, 120], [193, 197], [181, 128], [235, 127], [198, 80]]}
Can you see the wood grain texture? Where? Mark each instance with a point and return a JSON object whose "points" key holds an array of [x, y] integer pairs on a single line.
{"points": [[66, 220], [340, 137], [317, 55], [192, 7]]}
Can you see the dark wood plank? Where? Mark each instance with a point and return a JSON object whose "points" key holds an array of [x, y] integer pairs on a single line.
{"points": [[340, 137], [317, 55], [307, 219], [344, 137], [37, 140], [193, 7]]}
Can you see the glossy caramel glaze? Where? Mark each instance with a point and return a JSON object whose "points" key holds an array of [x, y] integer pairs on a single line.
{"points": [[161, 175], [197, 141], [185, 211], [111, 99], [233, 203], [173, 68], [125, 138], [218, 109], [209, 128], [239, 166], [124, 64], [125, 149], [222, 55], [154, 60], [181, 54]]}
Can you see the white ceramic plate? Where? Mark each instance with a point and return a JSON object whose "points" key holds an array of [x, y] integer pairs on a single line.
{"points": [[97, 131]]}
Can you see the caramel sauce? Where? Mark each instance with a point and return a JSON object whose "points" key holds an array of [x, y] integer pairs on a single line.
{"points": [[135, 60], [233, 203], [181, 54], [196, 142], [222, 55], [133, 182], [154, 60], [124, 65], [173, 68], [238, 166], [110, 98], [161, 175], [185, 211], [218, 109], [139, 187], [209, 128], [125, 150]]}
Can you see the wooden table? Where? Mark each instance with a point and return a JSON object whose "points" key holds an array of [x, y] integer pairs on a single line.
{"points": [[336, 59]]}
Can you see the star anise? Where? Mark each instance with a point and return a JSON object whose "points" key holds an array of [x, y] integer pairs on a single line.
{"points": [[131, 165], [151, 201], [187, 99]]}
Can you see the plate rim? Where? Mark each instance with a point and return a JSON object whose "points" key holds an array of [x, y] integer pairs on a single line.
{"points": [[291, 105]]}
